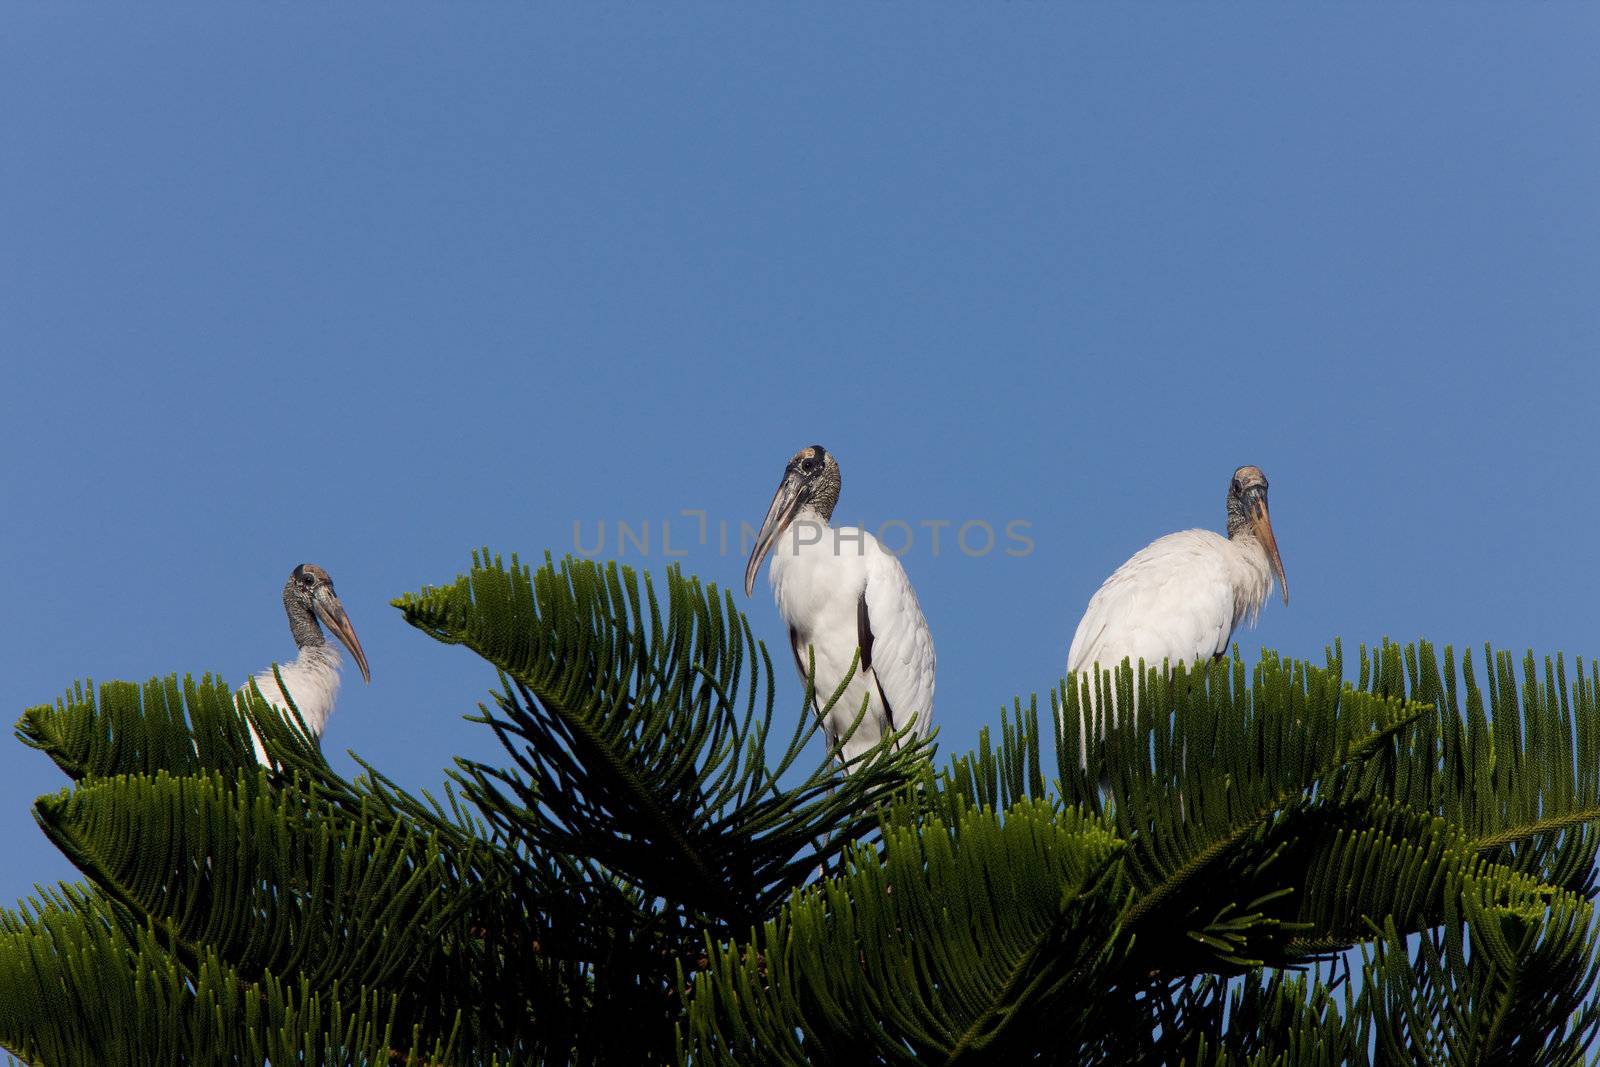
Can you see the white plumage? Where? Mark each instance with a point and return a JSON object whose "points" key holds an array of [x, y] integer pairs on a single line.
{"points": [[312, 680], [818, 591], [839, 590], [1179, 598]]}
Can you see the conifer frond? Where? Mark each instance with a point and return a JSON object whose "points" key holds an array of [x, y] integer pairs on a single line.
{"points": [[1492, 984], [1517, 768], [1229, 793], [943, 949], [1289, 1019], [296, 872], [85, 986], [639, 734], [998, 777], [270, 880], [131, 729]]}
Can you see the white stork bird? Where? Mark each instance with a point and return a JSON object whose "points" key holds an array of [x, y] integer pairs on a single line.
{"points": [[839, 590], [312, 680], [1179, 598]]}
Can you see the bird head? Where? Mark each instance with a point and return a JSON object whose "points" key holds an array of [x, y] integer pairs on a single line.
{"points": [[311, 588], [810, 479], [1247, 510]]}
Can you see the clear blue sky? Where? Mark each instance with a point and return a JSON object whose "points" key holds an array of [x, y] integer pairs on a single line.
{"points": [[370, 286]]}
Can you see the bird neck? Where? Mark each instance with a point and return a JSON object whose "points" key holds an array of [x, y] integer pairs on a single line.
{"points": [[813, 514], [1252, 574], [1250, 547], [807, 529], [312, 681], [322, 657], [302, 623], [1238, 522], [826, 495]]}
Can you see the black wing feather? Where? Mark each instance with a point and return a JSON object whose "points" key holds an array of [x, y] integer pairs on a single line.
{"points": [[864, 639]]}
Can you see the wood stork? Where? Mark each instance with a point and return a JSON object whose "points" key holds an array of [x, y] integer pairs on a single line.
{"points": [[839, 590], [312, 680], [1180, 597]]}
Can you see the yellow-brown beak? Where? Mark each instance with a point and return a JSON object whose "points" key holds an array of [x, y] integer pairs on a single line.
{"points": [[1255, 507], [332, 615], [785, 504]]}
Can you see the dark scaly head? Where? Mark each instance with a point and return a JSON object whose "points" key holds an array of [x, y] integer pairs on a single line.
{"points": [[308, 598], [1247, 514], [811, 479]]}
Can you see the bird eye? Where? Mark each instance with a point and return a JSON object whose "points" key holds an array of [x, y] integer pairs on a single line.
{"points": [[809, 464]]}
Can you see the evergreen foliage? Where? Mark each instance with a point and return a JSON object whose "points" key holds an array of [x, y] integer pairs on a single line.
{"points": [[1276, 864]]}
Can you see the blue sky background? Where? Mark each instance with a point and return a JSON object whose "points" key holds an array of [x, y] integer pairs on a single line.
{"points": [[372, 286]]}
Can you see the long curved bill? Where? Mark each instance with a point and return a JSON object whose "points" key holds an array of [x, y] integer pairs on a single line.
{"points": [[333, 616], [1261, 523], [785, 504]]}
